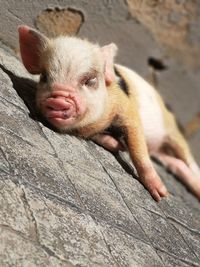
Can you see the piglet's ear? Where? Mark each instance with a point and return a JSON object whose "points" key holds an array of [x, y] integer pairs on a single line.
{"points": [[31, 44], [109, 52]]}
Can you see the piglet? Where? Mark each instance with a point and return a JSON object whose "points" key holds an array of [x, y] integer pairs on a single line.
{"points": [[81, 91]]}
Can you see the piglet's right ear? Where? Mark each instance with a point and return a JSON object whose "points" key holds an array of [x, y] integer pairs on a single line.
{"points": [[31, 44], [108, 53]]}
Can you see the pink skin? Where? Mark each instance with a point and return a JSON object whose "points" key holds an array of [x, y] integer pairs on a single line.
{"points": [[63, 107]]}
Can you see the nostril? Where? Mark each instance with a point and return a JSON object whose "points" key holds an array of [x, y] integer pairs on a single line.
{"points": [[57, 108], [60, 109]]}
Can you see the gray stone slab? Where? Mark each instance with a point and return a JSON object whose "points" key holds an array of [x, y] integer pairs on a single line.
{"points": [[68, 202]]}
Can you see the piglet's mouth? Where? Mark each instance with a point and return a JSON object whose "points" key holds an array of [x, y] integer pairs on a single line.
{"points": [[59, 108]]}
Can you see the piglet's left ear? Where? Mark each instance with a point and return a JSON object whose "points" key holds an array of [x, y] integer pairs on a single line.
{"points": [[108, 53], [31, 44]]}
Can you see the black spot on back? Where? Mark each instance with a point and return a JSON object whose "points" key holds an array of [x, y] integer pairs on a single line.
{"points": [[121, 82]]}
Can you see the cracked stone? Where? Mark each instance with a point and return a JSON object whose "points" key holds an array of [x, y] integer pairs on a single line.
{"points": [[41, 170], [19, 251], [191, 236], [170, 261], [161, 233], [104, 202], [12, 210], [71, 235], [135, 252]]}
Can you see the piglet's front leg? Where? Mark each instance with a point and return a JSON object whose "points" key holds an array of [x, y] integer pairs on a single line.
{"points": [[139, 154], [108, 142]]}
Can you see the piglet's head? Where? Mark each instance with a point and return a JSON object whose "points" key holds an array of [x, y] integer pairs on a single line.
{"points": [[74, 75]]}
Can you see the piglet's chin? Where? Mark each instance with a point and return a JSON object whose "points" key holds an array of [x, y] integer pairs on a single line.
{"points": [[62, 124]]}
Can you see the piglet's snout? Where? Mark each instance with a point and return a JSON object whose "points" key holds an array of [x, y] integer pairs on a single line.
{"points": [[58, 106]]}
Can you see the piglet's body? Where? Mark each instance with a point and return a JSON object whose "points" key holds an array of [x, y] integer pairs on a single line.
{"points": [[82, 91]]}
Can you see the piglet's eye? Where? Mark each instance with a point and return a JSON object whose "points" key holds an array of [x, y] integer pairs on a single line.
{"points": [[44, 77], [91, 82]]}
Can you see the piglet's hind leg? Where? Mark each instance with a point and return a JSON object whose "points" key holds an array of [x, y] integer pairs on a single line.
{"points": [[182, 171]]}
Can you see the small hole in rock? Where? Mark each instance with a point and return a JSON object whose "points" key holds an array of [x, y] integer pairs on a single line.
{"points": [[157, 64]]}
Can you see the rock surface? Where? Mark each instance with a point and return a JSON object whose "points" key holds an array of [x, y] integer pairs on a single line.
{"points": [[68, 202]]}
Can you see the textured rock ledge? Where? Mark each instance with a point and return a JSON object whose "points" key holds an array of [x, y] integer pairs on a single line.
{"points": [[68, 202]]}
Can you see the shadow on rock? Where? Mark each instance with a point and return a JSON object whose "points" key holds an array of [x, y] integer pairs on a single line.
{"points": [[126, 165], [26, 89]]}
